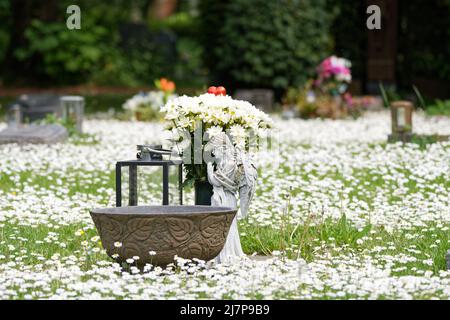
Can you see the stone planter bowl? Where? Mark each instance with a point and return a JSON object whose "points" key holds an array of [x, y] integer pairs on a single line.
{"points": [[186, 231]]}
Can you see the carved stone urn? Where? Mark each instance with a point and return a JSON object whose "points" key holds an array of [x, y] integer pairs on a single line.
{"points": [[157, 233]]}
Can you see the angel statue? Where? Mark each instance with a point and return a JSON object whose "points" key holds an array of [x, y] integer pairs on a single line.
{"points": [[231, 172]]}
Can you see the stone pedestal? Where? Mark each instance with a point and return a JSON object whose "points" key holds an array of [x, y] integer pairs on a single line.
{"points": [[402, 137]]}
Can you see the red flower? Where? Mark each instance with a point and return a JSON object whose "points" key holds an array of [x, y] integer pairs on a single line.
{"points": [[218, 91]]}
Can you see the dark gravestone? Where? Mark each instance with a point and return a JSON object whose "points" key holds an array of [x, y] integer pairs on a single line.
{"points": [[46, 134], [36, 106], [261, 98]]}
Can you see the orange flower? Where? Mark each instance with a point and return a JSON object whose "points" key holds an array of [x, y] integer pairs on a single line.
{"points": [[166, 85]]}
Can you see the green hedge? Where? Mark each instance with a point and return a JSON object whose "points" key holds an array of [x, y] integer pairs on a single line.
{"points": [[52, 55], [4, 29], [64, 56], [260, 43]]}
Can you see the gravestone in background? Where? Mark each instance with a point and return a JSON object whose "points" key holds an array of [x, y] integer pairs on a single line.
{"points": [[261, 98], [36, 106], [24, 134]]}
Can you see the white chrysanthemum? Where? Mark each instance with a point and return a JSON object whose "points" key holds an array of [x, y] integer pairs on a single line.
{"points": [[213, 131], [211, 110], [237, 131], [183, 122]]}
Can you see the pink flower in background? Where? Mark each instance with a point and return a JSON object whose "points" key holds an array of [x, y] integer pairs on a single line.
{"points": [[339, 68], [348, 99], [334, 75]]}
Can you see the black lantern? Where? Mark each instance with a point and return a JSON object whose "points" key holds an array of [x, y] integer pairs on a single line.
{"points": [[401, 118], [149, 156]]}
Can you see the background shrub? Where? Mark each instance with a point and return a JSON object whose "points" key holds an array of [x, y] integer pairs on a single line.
{"points": [[111, 48], [260, 43], [238, 43], [424, 40], [4, 25], [63, 55]]}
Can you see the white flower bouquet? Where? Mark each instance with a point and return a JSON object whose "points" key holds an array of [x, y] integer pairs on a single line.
{"points": [[211, 114]]}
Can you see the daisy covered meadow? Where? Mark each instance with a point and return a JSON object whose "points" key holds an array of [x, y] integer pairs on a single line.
{"points": [[341, 214]]}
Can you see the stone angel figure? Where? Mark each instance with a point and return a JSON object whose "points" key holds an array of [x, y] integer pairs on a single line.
{"points": [[232, 172]]}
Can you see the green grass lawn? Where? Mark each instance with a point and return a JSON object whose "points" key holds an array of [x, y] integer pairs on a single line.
{"points": [[294, 239], [357, 214]]}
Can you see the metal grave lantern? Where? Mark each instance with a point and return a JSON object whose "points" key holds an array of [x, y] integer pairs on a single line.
{"points": [[72, 110], [152, 156], [14, 116], [401, 118]]}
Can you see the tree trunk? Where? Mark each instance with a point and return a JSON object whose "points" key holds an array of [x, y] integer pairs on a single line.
{"points": [[162, 9]]}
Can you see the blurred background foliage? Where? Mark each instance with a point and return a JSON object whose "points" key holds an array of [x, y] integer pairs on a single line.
{"points": [[349, 33], [268, 44], [120, 43], [238, 43], [424, 40]]}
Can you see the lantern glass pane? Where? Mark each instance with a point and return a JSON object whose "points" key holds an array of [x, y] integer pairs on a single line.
{"points": [[401, 117], [150, 185], [72, 114], [73, 110], [14, 116], [174, 190], [125, 186]]}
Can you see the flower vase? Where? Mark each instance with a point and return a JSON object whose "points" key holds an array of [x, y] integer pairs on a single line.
{"points": [[203, 193]]}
